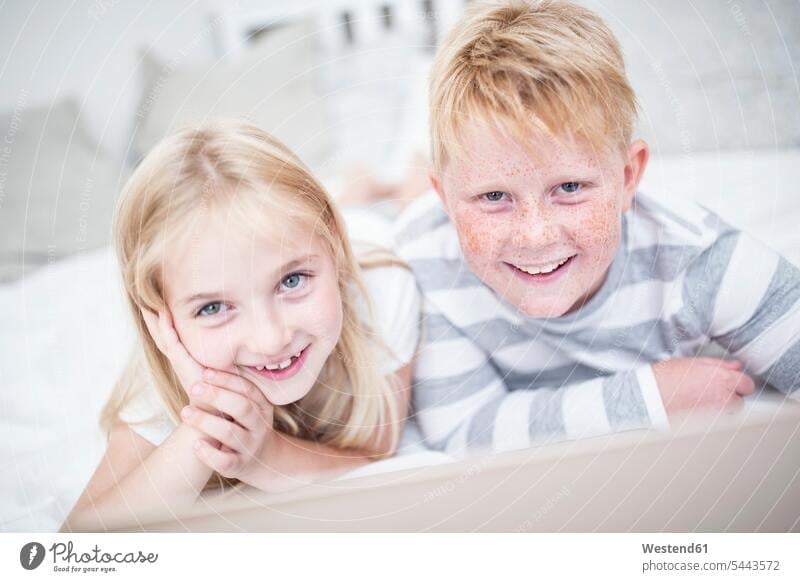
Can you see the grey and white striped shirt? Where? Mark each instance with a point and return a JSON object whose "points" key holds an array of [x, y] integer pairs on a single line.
{"points": [[487, 376]]}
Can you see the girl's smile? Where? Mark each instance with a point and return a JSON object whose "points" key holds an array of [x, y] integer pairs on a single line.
{"points": [[283, 369]]}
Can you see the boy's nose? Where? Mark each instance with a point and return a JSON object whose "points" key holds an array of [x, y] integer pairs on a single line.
{"points": [[535, 226]]}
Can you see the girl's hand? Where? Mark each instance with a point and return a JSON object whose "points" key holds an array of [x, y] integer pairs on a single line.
{"points": [[161, 329], [244, 429], [186, 368]]}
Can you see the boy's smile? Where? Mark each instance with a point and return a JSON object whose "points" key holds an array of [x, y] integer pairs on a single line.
{"points": [[540, 225], [543, 274]]}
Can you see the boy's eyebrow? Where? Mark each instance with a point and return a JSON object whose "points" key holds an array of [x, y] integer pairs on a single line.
{"points": [[576, 174], [493, 183], [293, 264]]}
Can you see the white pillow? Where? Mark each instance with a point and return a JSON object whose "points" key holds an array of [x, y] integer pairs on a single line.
{"points": [[750, 189], [58, 192], [273, 84], [717, 76]]}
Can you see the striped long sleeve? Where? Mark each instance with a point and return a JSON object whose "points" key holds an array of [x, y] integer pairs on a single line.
{"points": [[753, 307], [463, 402], [489, 377]]}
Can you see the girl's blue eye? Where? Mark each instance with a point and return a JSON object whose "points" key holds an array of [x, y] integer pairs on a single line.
{"points": [[494, 196], [212, 309], [571, 187], [294, 280]]}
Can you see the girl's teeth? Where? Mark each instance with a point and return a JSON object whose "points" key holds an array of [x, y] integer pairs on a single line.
{"points": [[543, 270], [282, 366]]}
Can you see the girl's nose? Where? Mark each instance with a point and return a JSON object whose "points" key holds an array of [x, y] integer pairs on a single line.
{"points": [[269, 336]]}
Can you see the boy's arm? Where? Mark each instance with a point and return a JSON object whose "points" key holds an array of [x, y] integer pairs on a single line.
{"points": [[462, 402], [755, 300]]}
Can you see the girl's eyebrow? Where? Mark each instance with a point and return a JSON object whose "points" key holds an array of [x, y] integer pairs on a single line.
{"points": [[198, 296], [293, 264]]}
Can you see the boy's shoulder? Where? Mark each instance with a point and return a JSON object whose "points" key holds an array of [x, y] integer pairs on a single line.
{"points": [[424, 231], [671, 222]]}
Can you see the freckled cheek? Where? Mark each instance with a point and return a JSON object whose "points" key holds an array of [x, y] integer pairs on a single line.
{"points": [[478, 234], [599, 230]]}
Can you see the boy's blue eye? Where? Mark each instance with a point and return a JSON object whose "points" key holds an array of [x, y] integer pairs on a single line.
{"points": [[294, 280], [571, 187], [213, 308], [494, 196]]}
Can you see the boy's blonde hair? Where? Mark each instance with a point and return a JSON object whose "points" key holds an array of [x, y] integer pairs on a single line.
{"points": [[235, 171], [546, 65]]}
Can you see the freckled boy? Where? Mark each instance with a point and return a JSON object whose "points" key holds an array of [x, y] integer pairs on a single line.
{"points": [[558, 301]]}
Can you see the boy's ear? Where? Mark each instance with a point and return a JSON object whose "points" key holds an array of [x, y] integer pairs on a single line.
{"points": [[638, 154], [437, 185]]}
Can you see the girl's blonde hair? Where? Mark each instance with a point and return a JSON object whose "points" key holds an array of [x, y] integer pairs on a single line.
{"points": [[518, 65], [234, 169]]}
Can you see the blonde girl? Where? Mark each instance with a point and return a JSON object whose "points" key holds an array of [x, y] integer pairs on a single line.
{"points": [[268, 356]]}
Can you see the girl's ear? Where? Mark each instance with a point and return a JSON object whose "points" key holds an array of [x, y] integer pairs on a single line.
{"points": [[638, 154]]}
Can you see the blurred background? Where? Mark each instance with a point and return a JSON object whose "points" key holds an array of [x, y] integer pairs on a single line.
{"points": [[88, 86]]}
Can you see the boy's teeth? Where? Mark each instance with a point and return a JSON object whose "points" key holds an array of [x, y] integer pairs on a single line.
{"points": [[543, 270]]}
